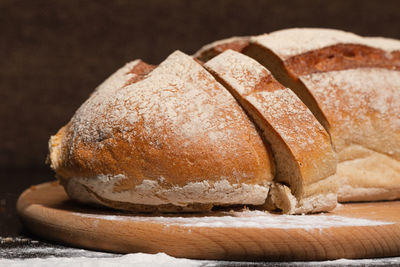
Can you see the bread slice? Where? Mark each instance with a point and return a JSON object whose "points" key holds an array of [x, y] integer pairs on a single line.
{"points": [[174, 140], [351, 85], [305, 160]]}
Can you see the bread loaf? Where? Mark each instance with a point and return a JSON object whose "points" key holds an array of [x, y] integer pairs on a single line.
{"points": [[186, 137], [174, 141], [352, 86]]}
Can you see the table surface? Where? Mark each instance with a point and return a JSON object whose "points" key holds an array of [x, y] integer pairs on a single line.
{"points": [[16, 243]]}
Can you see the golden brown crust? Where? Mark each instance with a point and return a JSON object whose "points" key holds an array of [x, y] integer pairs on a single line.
{"points": [[176, 127]]}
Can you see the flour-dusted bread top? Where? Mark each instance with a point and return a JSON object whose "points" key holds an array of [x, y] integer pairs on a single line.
{"points": [[304, 51], [213, 49], [362, 106], [175, 137], [300, 145], [291, 42], [387, 44]]}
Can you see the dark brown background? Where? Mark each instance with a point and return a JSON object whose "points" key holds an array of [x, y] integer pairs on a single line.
{"points": [[54, 53]]}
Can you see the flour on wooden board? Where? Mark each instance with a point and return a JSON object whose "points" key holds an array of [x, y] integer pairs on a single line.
{"points": [[245, 219]]}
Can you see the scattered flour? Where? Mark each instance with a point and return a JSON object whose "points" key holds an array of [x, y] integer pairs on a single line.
{"points": [[42, 254], [348, 262], [161, 259], [137, 260], [41, 250], [246, 219]]}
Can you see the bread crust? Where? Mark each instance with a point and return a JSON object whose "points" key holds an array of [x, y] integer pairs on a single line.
{"points": [[293, 42], [211, 50], [341, 57]]}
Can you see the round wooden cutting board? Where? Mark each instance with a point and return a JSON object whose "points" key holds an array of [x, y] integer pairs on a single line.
{"points": [[360, 230]]}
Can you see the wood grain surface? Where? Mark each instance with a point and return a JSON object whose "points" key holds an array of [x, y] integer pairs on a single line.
{"points": [[46, 211]]}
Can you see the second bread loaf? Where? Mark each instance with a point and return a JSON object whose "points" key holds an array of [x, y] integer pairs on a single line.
{"points": [[352, 85]]}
